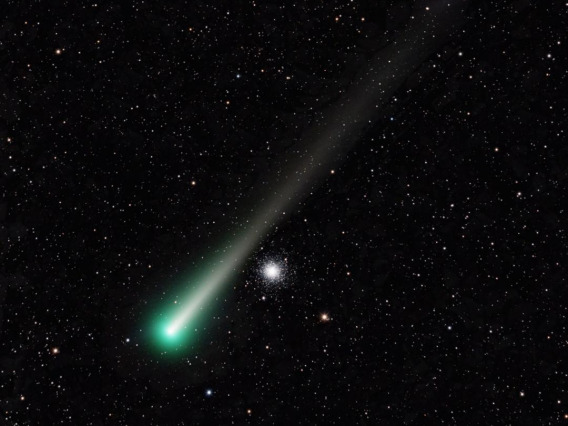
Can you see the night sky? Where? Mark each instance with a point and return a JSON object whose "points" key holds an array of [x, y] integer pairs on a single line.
{"points": [[420, 279]]}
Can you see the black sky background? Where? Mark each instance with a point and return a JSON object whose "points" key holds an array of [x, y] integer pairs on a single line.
{"points": [[437, 248]]}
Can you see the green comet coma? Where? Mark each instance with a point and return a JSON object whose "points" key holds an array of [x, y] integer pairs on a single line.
{"points": [[178, 327]]}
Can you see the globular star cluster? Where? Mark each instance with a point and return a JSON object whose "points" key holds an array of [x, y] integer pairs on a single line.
{"points": [[271, 271], [314, 213], [274, 271]]}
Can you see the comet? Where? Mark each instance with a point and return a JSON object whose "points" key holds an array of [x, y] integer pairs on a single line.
{"points": [[332, 134]]}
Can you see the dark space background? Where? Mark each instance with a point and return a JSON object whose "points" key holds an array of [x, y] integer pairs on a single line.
{"points": [[438, 248]]}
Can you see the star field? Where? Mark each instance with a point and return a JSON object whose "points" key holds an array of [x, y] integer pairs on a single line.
{"points": [[421, 280]]}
